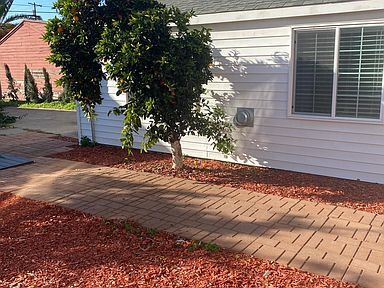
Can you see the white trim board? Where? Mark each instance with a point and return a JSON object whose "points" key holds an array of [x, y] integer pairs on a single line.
{"points": [[288, 12]]}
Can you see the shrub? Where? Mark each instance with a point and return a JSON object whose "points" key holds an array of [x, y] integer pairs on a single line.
{"points": [[66, 96], [47, 91], [26, 96], [6, 120], [86, 142], [30, 87], [12, 89]]}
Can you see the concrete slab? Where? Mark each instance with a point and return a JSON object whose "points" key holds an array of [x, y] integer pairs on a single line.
{"points": [[49, 121]]}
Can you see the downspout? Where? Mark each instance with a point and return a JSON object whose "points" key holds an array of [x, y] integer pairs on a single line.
{"points": [[92, 122], [92, 130], [79, 128]]}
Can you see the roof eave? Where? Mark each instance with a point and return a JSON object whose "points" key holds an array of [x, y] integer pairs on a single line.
{"points": [[288, 12], [17, 27]]}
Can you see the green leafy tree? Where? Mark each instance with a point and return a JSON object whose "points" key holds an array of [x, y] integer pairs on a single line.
{"points": [[12, 89], [155, 57], [72, 39], [47, 90], [163, 70], [30, 86], [5, 28]]}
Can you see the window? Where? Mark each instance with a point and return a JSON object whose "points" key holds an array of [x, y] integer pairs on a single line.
{"points": [[339, 72]]}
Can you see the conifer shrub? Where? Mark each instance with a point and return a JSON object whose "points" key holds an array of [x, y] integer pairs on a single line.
{"points": [[12, 88]]}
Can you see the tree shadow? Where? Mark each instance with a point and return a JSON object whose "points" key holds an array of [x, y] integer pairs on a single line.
{"points": [[236, 71], [74, 249], [193, 210]]}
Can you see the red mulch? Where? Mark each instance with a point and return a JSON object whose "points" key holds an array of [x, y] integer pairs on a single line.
{"points": [[349, 193], [48, 246]]}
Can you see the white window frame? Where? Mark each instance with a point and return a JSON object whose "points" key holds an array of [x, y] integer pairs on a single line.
{"points": [[292, 77]]}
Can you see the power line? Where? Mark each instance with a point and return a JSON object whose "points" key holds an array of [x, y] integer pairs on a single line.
{"points": [[24, 11], [26, 5]]}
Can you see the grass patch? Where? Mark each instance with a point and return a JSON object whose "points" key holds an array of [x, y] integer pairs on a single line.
{"points": [[210, 247], [50, 105]]}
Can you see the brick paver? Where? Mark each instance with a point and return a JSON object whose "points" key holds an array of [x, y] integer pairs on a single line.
{"points": [[336, 241]]}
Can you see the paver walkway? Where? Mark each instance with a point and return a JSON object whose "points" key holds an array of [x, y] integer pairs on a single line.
{"points": [[339, 242]]}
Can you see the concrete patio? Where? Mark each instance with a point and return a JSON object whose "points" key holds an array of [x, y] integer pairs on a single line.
{"points": [[339, 242]]}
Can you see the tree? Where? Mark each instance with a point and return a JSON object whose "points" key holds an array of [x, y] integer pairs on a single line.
{"points": [[72, 40], [163, 71], [12, 89], [47, 90], [155, 57], [30, 86], [5, 28]]}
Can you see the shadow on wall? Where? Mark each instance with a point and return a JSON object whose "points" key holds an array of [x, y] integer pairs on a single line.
{"points": [[240, 81], [253, 84]]}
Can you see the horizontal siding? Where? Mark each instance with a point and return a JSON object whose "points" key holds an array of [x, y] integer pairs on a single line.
{"points": [[264, 51], [251, 69], [275, 78], [264, 41]]}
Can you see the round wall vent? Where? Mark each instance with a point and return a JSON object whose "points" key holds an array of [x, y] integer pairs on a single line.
{"points": [[244, 117]]}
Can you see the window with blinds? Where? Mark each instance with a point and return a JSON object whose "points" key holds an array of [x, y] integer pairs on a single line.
{"points": [[360, 74], [314, 72], [356, 54]]}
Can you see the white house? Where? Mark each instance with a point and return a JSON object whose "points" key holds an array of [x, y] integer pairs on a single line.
{"points": [[311, 70]]}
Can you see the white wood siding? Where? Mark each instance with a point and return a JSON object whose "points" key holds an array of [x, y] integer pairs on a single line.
{"points": [[252, 66]]}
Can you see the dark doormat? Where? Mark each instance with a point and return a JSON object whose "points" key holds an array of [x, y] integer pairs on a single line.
{"points": [[9, 160]]}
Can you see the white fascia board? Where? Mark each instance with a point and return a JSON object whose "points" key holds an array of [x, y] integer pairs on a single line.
{"points": [[289, 12]]}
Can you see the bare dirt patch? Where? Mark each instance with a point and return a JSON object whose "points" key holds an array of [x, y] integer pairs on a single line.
{"points": [[354, 194], [48, 246]]}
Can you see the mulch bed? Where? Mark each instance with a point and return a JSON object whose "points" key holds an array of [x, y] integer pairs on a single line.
{"points": [[349, 193], [48, 246]]}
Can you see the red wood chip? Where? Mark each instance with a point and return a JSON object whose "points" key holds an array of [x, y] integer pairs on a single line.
{"points": [[48, 246]]}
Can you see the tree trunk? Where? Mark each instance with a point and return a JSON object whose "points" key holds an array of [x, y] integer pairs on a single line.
{"points": [[177, 155]]}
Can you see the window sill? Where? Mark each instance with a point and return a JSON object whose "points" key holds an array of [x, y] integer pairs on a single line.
{"points": [[335, 119]]}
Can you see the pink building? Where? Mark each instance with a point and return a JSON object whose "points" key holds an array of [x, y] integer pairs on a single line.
{"points": [[24, 45]]}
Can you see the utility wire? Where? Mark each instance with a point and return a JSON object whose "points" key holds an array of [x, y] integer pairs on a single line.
{"points": [[23, 11], [26, 5]]}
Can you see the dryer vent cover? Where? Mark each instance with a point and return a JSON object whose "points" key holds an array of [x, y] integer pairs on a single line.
{"points": [[244, 117]]}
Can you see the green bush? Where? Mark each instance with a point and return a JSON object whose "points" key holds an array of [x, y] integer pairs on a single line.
{"points": [[12, 89], [66, 96], [6, 120], [47, 95], [86, 142], [30, 87]]}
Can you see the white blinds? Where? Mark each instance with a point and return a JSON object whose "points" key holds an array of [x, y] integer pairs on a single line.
{"points": [[360, 72], [314, 72]]}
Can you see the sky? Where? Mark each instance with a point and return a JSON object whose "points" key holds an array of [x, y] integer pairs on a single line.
{"points": [[22, 7]]}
